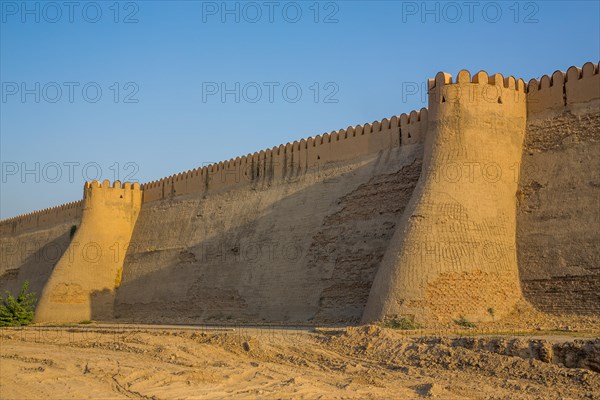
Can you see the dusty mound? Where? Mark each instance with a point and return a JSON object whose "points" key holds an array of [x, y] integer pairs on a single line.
{"points": [[360, 363]]}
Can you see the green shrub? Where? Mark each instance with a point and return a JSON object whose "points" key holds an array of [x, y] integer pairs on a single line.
{"points": [[462, 321], [400, 323], [19, 311]]}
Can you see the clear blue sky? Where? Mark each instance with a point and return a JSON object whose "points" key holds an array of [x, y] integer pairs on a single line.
{"points": [[168, 58]]}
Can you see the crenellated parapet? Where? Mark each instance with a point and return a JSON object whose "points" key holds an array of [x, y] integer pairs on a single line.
{"points": [[42, 218], [583, 84], [115, 185], [477, 90], [549, 94], [294, 159], [563, 90], [546, 95], [63, 213], [116, 198]]}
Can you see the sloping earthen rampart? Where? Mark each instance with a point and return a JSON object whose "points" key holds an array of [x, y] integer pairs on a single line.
{"points": [[462, 208]]}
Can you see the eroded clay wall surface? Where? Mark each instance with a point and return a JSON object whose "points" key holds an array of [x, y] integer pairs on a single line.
{"points": [[558, 215], [288, 194], [31, 256], [303, 249], [30, 245], [453, 253]]}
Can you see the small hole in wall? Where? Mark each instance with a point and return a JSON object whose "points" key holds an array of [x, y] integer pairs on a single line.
{"points": [[318, 157], [409, 135], [121, 196], [499, 100], [443, 99]]}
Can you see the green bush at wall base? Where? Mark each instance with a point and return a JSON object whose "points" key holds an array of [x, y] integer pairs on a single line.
{"points": [[17, 311]]}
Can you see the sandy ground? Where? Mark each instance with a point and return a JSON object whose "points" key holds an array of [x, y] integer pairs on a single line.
{"points": [[153, 362]]}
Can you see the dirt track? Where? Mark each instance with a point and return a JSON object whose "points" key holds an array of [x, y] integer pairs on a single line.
{"points": [[361, 363]]}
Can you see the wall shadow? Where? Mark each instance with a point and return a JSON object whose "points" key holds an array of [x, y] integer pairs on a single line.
{"points": [[37, 267], [310, 256]]}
